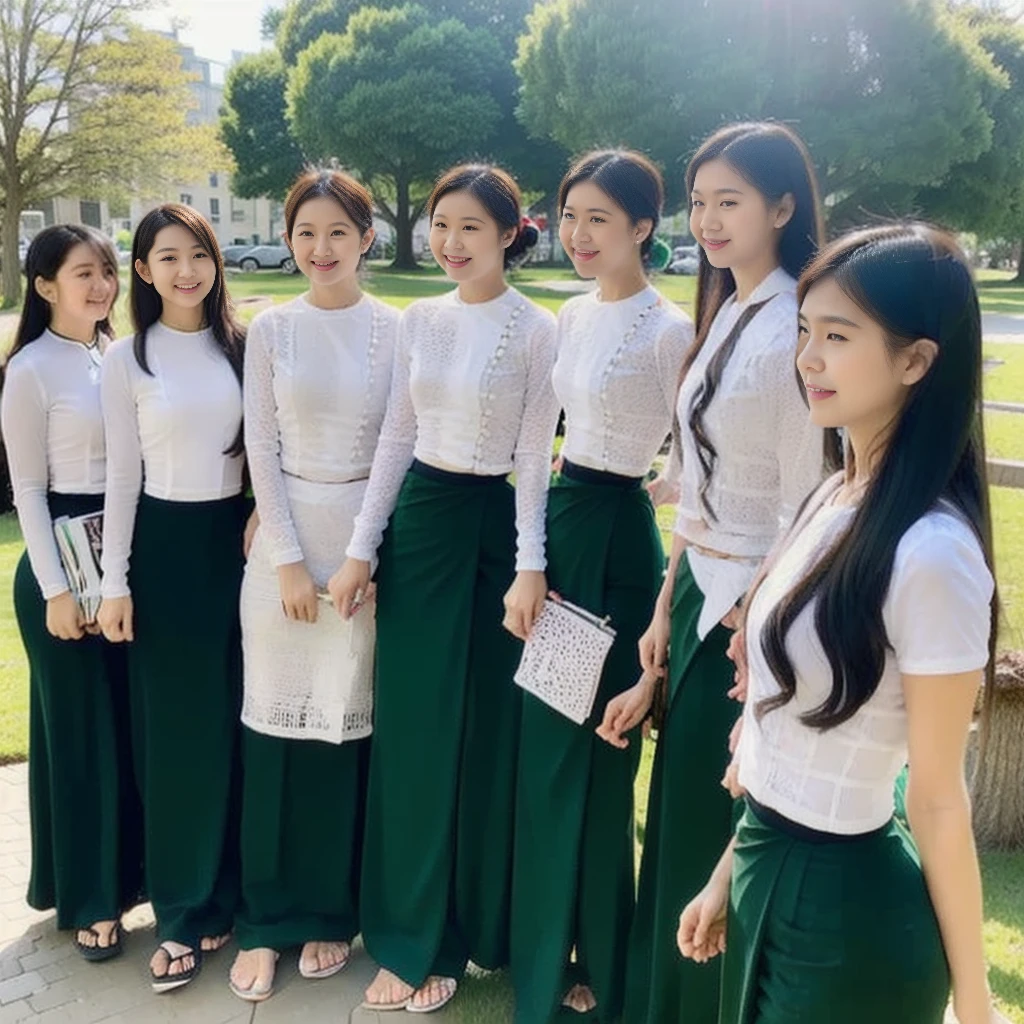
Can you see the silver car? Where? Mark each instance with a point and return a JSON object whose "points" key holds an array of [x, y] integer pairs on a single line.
{"points": [[269, 257]]}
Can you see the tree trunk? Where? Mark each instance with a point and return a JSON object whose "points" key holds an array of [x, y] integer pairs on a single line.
{"points": [[10, 281], [405, 258], [1019, 279]]}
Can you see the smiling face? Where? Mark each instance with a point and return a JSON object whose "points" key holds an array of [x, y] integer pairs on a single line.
{"points": [[326, 243], [466, 240], [731, 219], [853, 378], [81, 294], [179, 268], [598, 235]]}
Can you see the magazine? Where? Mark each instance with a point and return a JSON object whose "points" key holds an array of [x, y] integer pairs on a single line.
{"points": [[80, 543]]}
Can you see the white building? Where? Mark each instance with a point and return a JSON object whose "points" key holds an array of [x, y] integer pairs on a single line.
{"points": [[235, 221]]}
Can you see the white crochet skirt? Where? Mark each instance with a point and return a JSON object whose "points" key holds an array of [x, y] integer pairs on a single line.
{"points": [[308, 680]]}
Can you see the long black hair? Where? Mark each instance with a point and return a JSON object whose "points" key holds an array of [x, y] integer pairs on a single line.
{"points": [[775, 161], [497, 190], [147, 306], [913, 280], [629, 179], [46, 255]]}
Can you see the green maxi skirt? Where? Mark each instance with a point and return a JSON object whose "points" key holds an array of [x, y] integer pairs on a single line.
{"points": [[86, 823], [573, 869], [438, 846], [302, 811], [689, 820], [185, 676], [829, 928]]}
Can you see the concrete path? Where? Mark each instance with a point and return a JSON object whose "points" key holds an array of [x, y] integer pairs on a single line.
{"points": [[43, 980]]}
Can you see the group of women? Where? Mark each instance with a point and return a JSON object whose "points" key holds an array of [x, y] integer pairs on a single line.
{"points": [[365, 622]]}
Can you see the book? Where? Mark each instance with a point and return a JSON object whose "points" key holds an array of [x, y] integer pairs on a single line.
{"points": [[80, 543]]}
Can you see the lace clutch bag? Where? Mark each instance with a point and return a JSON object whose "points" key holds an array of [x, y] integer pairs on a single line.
{"points": [[564, 657]]}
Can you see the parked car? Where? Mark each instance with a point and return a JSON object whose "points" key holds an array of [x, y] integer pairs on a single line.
{"points": [[269, 257], [231, 254], [684, 265]]}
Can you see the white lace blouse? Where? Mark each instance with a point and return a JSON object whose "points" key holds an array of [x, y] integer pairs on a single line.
{"points": [[616, 377], [167, 433], [53, 432], [937, 620], [471, 392], [770, 454], [316, 388]]}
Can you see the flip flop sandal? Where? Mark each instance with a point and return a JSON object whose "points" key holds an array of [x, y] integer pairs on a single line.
{"points": [[169, 982], [450, 983], [97, 954], [254, 994], [324, 972]]}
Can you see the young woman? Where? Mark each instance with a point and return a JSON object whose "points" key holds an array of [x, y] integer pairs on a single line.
{"points": [[317, 376], [867, 641], [620, 351], [85, 820], [172, 569], [749, 457], [471, 401]]}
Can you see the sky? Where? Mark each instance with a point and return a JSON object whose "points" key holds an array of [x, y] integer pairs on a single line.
{"points": [[213, 27]]}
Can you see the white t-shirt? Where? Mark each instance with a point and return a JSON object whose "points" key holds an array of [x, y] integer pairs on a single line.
{"points": [[937, 618], [167, 433], [53, 432]]}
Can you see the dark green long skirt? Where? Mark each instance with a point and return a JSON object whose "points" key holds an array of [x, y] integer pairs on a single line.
{"points": [[573, 874], [839, 931], [689, 820], [438, 851], [185, 674], [86, 822], [302, 813]]}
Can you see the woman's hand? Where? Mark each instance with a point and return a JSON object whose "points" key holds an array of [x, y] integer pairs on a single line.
{"points": [[349, 587], [626, 711], [653, 645], [250, 532], [64, 617], [737, 654], [524, 602], [298, 592], [115, 619], [662, 491], [701, 933]]}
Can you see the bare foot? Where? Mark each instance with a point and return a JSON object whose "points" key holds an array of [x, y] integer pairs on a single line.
{"points": [[580, 998], [211, 943], [388, 989], [433, 994], [320, 957], [106, 938], [171, 958], [252, 973]]}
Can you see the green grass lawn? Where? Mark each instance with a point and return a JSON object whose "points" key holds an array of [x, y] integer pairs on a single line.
{"points": [[488, 1000]]}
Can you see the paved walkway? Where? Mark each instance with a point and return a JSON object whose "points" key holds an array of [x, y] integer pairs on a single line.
{"points": [[43, 980]]}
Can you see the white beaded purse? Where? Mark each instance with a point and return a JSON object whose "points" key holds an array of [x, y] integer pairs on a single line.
{"points": [[564, 657]]}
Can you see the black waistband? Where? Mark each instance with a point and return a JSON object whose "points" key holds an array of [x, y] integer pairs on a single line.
{"points": [[447, 476], [805, 833], [586, 475]]}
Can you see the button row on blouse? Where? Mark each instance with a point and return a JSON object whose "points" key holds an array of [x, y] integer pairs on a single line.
{"points": [[612, 363], [489, 368]]}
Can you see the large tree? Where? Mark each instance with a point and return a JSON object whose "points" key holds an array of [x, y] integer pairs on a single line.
{"points": [[889, 94], [254, 123], [388, 98], [986, 196], [89, 103], [254, 127]]}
